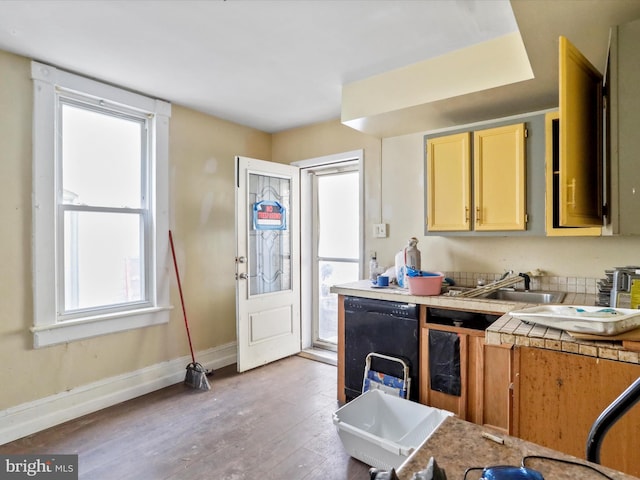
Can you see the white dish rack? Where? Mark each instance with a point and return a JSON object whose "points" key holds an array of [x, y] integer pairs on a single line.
{"points": [[582, 319]]}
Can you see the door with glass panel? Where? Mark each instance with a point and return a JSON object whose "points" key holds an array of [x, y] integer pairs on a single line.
{"points": [[267, 262], [337, 244]]}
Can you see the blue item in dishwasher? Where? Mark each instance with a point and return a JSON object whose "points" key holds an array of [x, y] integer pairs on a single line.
{"points": [[373, 380]]}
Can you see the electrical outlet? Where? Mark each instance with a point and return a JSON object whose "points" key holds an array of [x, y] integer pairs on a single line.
{"points": [[380, 230]]}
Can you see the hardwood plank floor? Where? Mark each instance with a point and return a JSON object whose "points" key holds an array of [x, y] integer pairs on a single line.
{"points": [[273, 422]]}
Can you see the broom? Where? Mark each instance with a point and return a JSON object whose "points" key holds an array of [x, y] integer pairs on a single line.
{"points": [[196, 376]]}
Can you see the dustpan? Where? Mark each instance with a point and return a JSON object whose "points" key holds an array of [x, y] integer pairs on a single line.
{"points": [[375, 380], [196, 377]]}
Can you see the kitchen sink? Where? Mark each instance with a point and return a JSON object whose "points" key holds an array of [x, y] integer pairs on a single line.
{"points": [[527, 296]]}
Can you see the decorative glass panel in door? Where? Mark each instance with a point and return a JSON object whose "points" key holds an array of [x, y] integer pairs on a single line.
{"points": [[269, 237]]}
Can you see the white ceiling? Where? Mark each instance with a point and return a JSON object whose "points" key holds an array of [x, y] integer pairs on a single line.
{"points": [[271, 65], [277, 64]]}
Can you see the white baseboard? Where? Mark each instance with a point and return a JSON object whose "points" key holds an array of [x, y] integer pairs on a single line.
{"points": [[27, 418]]}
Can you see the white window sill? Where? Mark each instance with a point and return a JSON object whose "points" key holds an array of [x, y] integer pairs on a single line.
{"points": [[64, 332]]}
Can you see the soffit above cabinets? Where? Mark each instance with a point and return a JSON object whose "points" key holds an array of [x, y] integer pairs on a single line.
{"points": [[510, 75], [393, 102]]}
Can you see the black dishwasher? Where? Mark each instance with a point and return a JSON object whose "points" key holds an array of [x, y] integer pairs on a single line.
{"points": [[381, 326]]}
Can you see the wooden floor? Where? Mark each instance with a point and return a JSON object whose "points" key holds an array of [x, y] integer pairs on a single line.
{"points": [[273, 422]]}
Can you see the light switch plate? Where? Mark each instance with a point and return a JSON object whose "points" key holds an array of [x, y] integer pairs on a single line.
{"points": [[380, 230]]}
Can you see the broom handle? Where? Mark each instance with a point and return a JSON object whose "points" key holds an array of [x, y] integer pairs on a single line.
{"points": [[184, 312]]}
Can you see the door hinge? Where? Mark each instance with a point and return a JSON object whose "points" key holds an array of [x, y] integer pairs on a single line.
{"points": [[526, 133], [526, 218]]}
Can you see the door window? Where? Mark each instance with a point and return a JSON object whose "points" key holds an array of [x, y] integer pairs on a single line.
{"points": [[269, 237]]}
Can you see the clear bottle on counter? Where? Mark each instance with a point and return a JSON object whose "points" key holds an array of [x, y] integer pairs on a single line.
{"points": [[373, 269]]}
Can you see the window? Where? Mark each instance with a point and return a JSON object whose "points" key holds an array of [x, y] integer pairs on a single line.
{"points": [[100, 208]]}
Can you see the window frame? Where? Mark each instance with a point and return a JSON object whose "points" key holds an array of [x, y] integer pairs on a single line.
{"points": [[307, 236], [338, 168], [49, 84]]}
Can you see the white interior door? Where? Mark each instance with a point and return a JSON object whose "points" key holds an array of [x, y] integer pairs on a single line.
{"points": [[267, 261]]}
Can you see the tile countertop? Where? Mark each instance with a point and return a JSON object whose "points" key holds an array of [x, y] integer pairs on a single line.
{"points": [[457, 445], [507, 329]]}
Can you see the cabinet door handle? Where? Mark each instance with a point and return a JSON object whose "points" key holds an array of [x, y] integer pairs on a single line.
{"points": [[572, 185], [478, 215], [466, 214]]}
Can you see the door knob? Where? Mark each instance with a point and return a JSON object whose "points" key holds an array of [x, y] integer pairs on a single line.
{"points": [[241, 259], [243, 276]]}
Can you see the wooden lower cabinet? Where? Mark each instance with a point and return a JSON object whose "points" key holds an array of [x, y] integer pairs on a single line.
{"points": [[485, 374], [470, 344], [497, 393], [560, 395]]}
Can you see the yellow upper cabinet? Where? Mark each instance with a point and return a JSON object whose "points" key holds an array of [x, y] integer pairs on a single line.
{"points": [[499, 178], [581, 130], [449, 183], [552, 182]]}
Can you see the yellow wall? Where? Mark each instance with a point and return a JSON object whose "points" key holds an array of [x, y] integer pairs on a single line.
{"points": [[322, 139], [329, 138], [202, 150]]}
